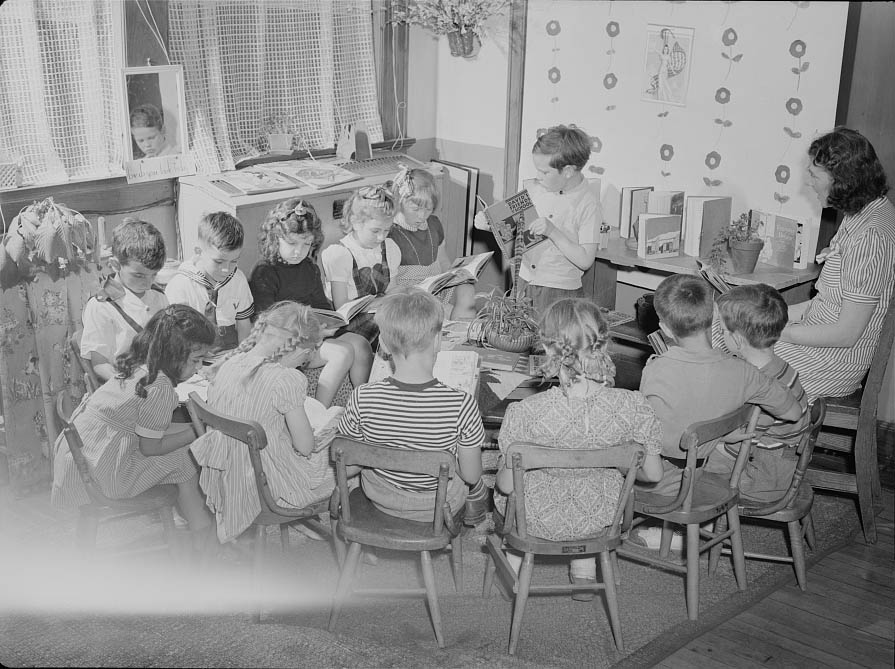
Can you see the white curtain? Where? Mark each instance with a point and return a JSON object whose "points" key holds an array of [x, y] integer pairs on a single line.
{"points": [[304, 65], [60, 101]]}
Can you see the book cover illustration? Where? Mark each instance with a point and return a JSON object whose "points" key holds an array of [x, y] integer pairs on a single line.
{"points": [[340, 317], [706, 217], [253, 181], [659, 236], [665, 202], [457, 369], [635, 201], [506, 216], [779, 236], [806, 244], [313, 173], [463, 270]]}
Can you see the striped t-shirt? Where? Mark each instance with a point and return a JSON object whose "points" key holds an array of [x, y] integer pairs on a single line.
{"points": [[416, 416]]}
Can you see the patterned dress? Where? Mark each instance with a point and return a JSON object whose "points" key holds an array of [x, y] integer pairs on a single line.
{"points": [[860, 268], [110, 423], [227, 476], [566, 504]]}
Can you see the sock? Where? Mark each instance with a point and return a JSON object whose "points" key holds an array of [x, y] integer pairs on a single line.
{"points": [[477, 492], [515, 560], [583, 568]]}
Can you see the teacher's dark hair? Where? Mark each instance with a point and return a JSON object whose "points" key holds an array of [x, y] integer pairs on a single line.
{"points": [[858, 175]]}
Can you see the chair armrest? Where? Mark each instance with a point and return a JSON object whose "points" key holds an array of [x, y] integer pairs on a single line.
{"points": [[678, 501], [450, 522]]}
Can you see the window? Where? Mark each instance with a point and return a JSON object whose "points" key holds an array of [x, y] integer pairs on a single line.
{"points": [[60, 102]]}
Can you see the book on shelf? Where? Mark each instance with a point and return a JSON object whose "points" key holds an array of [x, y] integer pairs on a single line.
{"points": [[313, 173], [779, 236], [336, 318], [506, 216], [251, 181], [665, 202], [658, 236], [463, 270], [457, 369], [708, 273], [635, 201], [658, 341], [806, 243], [705, 216]]}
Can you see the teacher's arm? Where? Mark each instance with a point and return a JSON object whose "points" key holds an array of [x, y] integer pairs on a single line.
{"points": [[853, 320]]}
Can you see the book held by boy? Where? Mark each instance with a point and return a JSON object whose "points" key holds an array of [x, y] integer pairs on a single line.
{"points": [[635, 201], [314, 173], [704, 218], [457, 369], [708, 273], [340, 317], [779, 236], [659, 235], [463, 270], [515, 213]]}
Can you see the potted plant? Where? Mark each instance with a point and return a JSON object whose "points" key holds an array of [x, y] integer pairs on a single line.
{"points": [[461, 20], [276, 130], [740, 242], [506, 322]]}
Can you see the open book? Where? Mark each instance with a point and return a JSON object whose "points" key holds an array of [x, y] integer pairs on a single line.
{"points": [[323, 421], [252, 181], [314, 173], [340, 317], [506, 216], [457, 369], [709, 274], [463, 270]]}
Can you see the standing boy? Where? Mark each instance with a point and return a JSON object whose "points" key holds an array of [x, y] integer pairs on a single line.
{"points": [[128, 299], [413, 410], [211, 283]]}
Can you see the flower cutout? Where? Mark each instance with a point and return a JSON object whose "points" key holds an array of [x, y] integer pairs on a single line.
{"points": [[596, 144], [610, 80], [722, 96], [782, 174], [666, 152], [794, 106], [729, 38], [553, 28], [612, 29], [797, 48], [553, 74], [712, 160]]}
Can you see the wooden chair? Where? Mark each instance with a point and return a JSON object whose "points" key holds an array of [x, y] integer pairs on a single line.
{"points": [[158, 501], [91, 380], [702, 497], [360, 523], [253, 436], [513, 528], [792, 508], [850, 427]]}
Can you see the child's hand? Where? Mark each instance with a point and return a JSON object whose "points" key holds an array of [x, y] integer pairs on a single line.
{"points": [[541, 226], [329, 332], [480, 221]]}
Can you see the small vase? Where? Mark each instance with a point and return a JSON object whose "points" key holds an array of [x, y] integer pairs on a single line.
{"points": [[744, 255], [467, 43], [455, 42], [280, 141]]}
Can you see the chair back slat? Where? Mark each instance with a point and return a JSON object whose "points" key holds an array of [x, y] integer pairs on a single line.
{"points": [[76, 448], [91, 380], [875, 375]]}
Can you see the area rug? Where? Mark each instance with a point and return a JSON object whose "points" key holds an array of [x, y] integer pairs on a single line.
{"points": [[125, 612]]}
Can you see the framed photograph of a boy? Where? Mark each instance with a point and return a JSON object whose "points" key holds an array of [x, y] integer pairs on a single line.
{"points": [[156, 122], [667, 64]]}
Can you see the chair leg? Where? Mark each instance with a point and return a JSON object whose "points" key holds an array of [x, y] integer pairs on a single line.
{"points": [[338, 544], [810, 537], [431, 595], [715, 551], [284, 538], [528, 563], [609, 581], [864, 473], [798, 552], [88, 526], [693, 571], [349, 568], [457, 562], [615, 569], [166, 515], [736, 547], [257, 559], [665, 543]]}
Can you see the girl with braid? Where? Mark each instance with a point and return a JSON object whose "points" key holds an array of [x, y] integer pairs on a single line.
{"points": [[259, 381], [129, 439], [584, 412]]}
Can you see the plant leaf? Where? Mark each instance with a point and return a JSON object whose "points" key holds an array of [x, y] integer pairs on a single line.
{"points": [[43, 240], [724, 55], [610, 107], [719, 121], [610, 52], [716, 182], [662, 114], [727, 124], [792, 133], [795, 70], [737, 58], [707, 181], [805, 66], [599, 170], [665, 174]]}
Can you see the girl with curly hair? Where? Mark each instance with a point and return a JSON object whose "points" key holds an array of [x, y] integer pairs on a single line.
{"points": [[260, 381], [830, 339], [129, 439], [583, 412]]}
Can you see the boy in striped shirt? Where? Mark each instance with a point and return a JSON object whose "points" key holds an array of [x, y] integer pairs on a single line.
{"points": [[753, 316], [413, 410]]}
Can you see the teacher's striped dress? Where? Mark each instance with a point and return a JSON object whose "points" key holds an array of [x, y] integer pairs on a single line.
{"points": [[860, 268]]}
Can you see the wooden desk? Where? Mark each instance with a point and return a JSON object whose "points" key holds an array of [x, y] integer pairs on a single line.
{"points": [[600, 280]]}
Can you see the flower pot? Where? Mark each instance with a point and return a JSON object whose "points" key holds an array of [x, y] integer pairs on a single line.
{"points": [[468, 44], [455, 42], [280, 141], [517, 343], [744, 255]]}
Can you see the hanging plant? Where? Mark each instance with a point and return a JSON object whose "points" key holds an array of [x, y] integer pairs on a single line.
{"points": [[460, 18], [45, 237]]}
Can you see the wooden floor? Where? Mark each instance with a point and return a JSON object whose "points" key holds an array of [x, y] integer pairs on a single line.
{"points": [[845, 619]]}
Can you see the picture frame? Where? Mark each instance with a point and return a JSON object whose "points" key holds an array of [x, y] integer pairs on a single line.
{"points": [[155, 118], [667, 63]]}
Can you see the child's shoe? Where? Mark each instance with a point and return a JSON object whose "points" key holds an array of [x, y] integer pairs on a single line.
{"points": [[651, 537], [478, 504], [583, 595]]}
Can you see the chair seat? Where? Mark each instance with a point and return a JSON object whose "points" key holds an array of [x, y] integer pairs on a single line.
{"points": [[712, 497], [157, 497], [372, 527], [796, 510], [581, 546], [269, 517]]}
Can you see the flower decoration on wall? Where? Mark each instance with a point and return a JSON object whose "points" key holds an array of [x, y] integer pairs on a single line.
{"points": [[798, 49], [596, 145], [554, 74], [609, 82], [729, 38], [794, 106], [666, 153], [782, 174], [613, 30]]}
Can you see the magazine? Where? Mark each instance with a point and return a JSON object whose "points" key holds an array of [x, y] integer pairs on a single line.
{"points": [[314, 173], [463, 270], [252, 181], [339, 317], [506, 216]]}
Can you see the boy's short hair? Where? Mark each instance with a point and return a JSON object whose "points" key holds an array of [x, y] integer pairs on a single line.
{"points": [[757, 311], [147, 116], [685, 304], [566, 145], [409, 319], [222, 231], [134, 240]]}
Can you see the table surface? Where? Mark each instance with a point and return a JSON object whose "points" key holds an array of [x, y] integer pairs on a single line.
{"points": [[617, 253]]}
